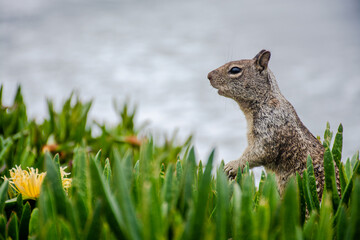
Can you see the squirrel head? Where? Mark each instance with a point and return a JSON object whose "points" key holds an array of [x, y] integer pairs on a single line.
{"points": [[245, 81]]}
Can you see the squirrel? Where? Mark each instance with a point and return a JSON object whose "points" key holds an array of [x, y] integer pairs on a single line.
{"points": [[277, 139]]}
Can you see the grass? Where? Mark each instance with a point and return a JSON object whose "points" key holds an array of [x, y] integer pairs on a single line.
{"points": [[127, 187]]}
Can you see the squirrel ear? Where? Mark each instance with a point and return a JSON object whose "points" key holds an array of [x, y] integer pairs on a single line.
{"points": [[262, 59]]}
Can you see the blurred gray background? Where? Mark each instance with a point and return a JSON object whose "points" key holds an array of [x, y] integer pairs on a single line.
{"points": [[158, 54]]}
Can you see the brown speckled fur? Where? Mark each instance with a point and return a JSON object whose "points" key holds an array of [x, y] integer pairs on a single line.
{"points": [[277, 139]]}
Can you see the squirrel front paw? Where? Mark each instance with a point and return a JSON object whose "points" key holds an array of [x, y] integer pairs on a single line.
{"points": [[231, 168]]}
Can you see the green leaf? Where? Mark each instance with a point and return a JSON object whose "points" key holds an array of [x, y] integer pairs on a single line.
{"points": [[247, 219], [127, 209], [188, 180], [93, 230], [34, 225], [2, 227], [354, 230], [262, 221], [343, 178], [330, 178], [167, 192], [290, 210], [127, 165], [24, 222], [5, 150], [327, 136], [200, 173], [102, 191], [261, 187], [77, 211], [3, 195], [346, 196], [336, 152], [195, 227], [348, 169], [342, 224], [337, 146], [311, 226], [79, 183], [271, 193], [179, 171], [236, 202], [222, 205], [98, 156], [151, 211], [246, 169], [53, 180], [162, 174], [238, 177], [47, 207], [12, 229], [325, 229], [354, 159], [19, 205], [146, 157], [107, 170], [311, 181], [301, 198]]}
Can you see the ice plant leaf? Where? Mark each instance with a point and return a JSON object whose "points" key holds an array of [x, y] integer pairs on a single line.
{"points": [[54, 178], [301, 198], [337, 147], [127, 208], [342, 223], [330, 177], [325, 230], [348, 190], [290, 211], [3, 195], [34, 223], [312, 183], [24, 221], [13, 229], [111, 209], [194, 228], [79, 173], [336, 152], [93, 230], [222, 205], [354, 230], [19, 205], [179, 171], [107, 170], [2, 227]]}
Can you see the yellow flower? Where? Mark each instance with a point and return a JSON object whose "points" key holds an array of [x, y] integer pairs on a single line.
{"points": [[28, 182], [66, 182]]}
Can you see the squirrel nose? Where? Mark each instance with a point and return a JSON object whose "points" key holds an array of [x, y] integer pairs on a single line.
{"points": [[212, 74], [209, 76]]}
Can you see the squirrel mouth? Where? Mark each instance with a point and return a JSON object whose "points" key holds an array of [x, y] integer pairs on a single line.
{"points": [[219, 88], [221, 92]]}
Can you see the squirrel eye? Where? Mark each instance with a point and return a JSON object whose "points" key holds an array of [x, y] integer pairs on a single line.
{"points": [[235, 70]]}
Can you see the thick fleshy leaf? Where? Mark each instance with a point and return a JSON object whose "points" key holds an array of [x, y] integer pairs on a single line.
{"points": [[312, 183], [330, 178], [3, 194], [101, 190], [24, 222], [12, 227]]}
